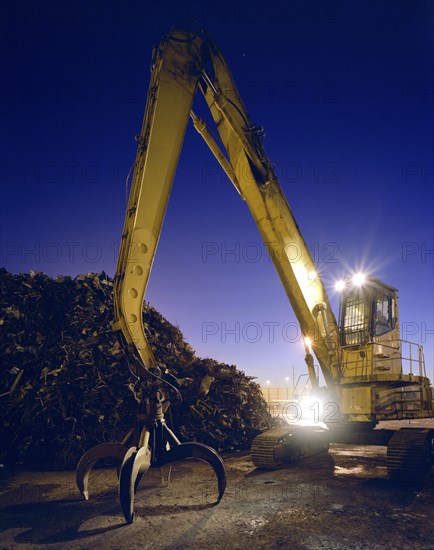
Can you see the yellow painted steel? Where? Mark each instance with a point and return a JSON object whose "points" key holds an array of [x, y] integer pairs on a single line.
{"points": [[183, 63], [170, 96], [179, 65]]}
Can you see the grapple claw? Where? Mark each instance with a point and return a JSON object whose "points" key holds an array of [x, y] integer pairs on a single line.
{"points": [[154, 445], [202, 452], [136, 463], [111, 450]]}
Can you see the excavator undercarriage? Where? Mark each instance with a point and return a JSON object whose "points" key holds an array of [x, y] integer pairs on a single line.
{"points": [[409, 450], [410, 454], [280, 446]]}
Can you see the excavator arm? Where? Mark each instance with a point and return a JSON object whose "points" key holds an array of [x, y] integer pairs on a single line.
{"points": [[175, 68], [182, 64]]}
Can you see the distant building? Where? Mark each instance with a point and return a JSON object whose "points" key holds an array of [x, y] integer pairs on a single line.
{"points": [[277, 394]]}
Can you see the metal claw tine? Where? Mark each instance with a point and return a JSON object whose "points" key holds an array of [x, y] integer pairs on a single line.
{"points": [[200, 452], [136, 464], [111, 450]]}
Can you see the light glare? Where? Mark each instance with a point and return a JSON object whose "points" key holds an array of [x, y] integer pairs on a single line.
{"points": [[340, 285], [359, 279]]}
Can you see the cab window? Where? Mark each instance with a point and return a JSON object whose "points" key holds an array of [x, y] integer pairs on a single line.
{"points": [[384, 314], [355, 321]]}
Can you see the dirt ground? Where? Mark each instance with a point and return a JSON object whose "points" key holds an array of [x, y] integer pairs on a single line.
{"points": [[342, 500]]}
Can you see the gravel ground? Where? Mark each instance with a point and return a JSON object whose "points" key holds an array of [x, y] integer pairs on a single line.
{"points": [[342, 500]]}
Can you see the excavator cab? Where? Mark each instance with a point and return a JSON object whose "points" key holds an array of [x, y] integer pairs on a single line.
{"points": [[382, 376], [368, 312]]}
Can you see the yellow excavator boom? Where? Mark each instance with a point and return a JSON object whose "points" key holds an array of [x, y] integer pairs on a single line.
{"points": [[182, 64]]}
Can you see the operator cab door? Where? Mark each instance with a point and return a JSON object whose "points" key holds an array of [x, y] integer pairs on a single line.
{"points": [[385, 331]]}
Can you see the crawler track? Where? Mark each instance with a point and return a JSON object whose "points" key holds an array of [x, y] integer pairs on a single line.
{"points": [[278, 446], [410, 454]]}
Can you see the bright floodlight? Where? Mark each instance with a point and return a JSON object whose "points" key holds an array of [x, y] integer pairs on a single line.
{"points": [[340, 285], [359, 279], [268, 382]]}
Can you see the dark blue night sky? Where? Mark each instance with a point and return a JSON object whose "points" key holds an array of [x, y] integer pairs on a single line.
{"points": [[344, 90]]}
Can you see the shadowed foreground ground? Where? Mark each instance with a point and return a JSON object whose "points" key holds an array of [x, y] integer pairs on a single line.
{"points": [[337, 501]]}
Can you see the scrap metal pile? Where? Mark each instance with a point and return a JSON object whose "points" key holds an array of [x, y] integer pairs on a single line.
{"points": [[65, 384]]}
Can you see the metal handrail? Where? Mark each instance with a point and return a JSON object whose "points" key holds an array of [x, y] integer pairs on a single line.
{"points": [[407, 356]]}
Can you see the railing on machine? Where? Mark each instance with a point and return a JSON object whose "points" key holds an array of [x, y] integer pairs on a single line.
{"points": [[410, 360], [413, 358]]}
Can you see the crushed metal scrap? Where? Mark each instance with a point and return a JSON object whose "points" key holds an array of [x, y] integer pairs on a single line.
{"points": [[65, 383]]}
